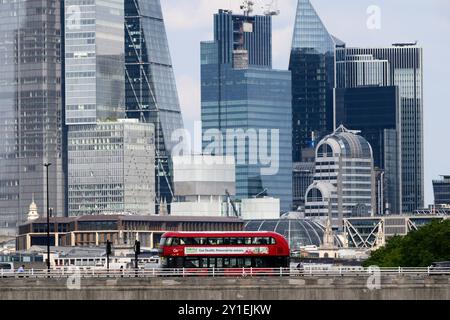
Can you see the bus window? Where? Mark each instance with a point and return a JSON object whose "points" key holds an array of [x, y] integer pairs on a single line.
{"points": [[261, 240], [168, 242], [215, 241], [189, 241], [211, 263], [226, 262], [192, 262], [177, 242], [233, 263], [235, 241], [273, 241], [259, 263], [203, 262], [226, 241], [162, 242], [248, 241], [219, 263], [247, 262], [200, 241]]}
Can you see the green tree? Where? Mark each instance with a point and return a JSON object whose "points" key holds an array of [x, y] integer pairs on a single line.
{"points": [[417, 249]]}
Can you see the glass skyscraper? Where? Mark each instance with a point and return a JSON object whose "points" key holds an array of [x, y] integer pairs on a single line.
{"points": [[405, 71], [243, 95], [442, 191], [366, 100], [151, 93], [312, 64], [110, 161], [94, 63], [112, 168], [31, 109], [374, 110]]}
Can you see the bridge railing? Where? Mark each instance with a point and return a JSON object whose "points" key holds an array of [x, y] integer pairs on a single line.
{"points": [[219, 272]]}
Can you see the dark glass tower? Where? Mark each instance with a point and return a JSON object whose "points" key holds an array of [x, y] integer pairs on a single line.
{"points": [[442, 191], [30, 107], [374, 111], [313, 71], [243, 95], [401, 66], [151, 93]]}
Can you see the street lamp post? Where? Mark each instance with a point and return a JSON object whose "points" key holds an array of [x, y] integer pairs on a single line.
{"points": [[46, 165]]}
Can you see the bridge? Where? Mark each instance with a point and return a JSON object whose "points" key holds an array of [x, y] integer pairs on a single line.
{"points": [[404, 284]]}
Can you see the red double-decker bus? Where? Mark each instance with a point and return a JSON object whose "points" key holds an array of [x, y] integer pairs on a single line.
{"points": [[224, 250]]}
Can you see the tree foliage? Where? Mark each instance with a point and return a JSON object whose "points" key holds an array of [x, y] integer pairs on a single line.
{"points": [[419, 248]]}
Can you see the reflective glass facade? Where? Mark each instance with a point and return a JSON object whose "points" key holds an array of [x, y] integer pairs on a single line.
{"points": [[151, 93], [313, 70], [374, 110], [406, 73], [302, 178], [94, 64], [299, 232], [31, 109], [442, 191], [111, 168], [239, 96]]}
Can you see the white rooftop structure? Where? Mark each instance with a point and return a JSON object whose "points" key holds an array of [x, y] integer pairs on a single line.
{"points": [[204, 175]]}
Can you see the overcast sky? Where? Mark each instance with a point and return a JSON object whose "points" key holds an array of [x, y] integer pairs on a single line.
{"points": [[427, 21]]}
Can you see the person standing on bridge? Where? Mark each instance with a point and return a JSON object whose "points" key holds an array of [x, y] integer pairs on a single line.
{"points": [[21, 270]]}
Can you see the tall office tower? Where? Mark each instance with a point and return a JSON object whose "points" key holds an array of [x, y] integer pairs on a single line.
{"points": [[31, 109], [112, 168], [405, 72], [344, 181], [101, 148], [94, 64], [313, 79], [151, 93], [366, 100], [442, 191], [374, 112], [246, 103]]}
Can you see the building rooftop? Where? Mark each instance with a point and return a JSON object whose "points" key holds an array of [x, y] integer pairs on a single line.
{"points": [[348, 143], [148, 218], [444, 178]]}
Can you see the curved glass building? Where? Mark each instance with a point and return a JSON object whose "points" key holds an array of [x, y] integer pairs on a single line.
{"points": [[299, 232], [344, 178]]}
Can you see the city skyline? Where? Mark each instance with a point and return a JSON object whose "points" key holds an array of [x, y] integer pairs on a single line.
{"points": [[399, 23]]}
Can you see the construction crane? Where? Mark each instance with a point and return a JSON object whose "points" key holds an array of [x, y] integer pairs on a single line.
{"points": [[247, 7], [269, 8], [233, 206]]}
